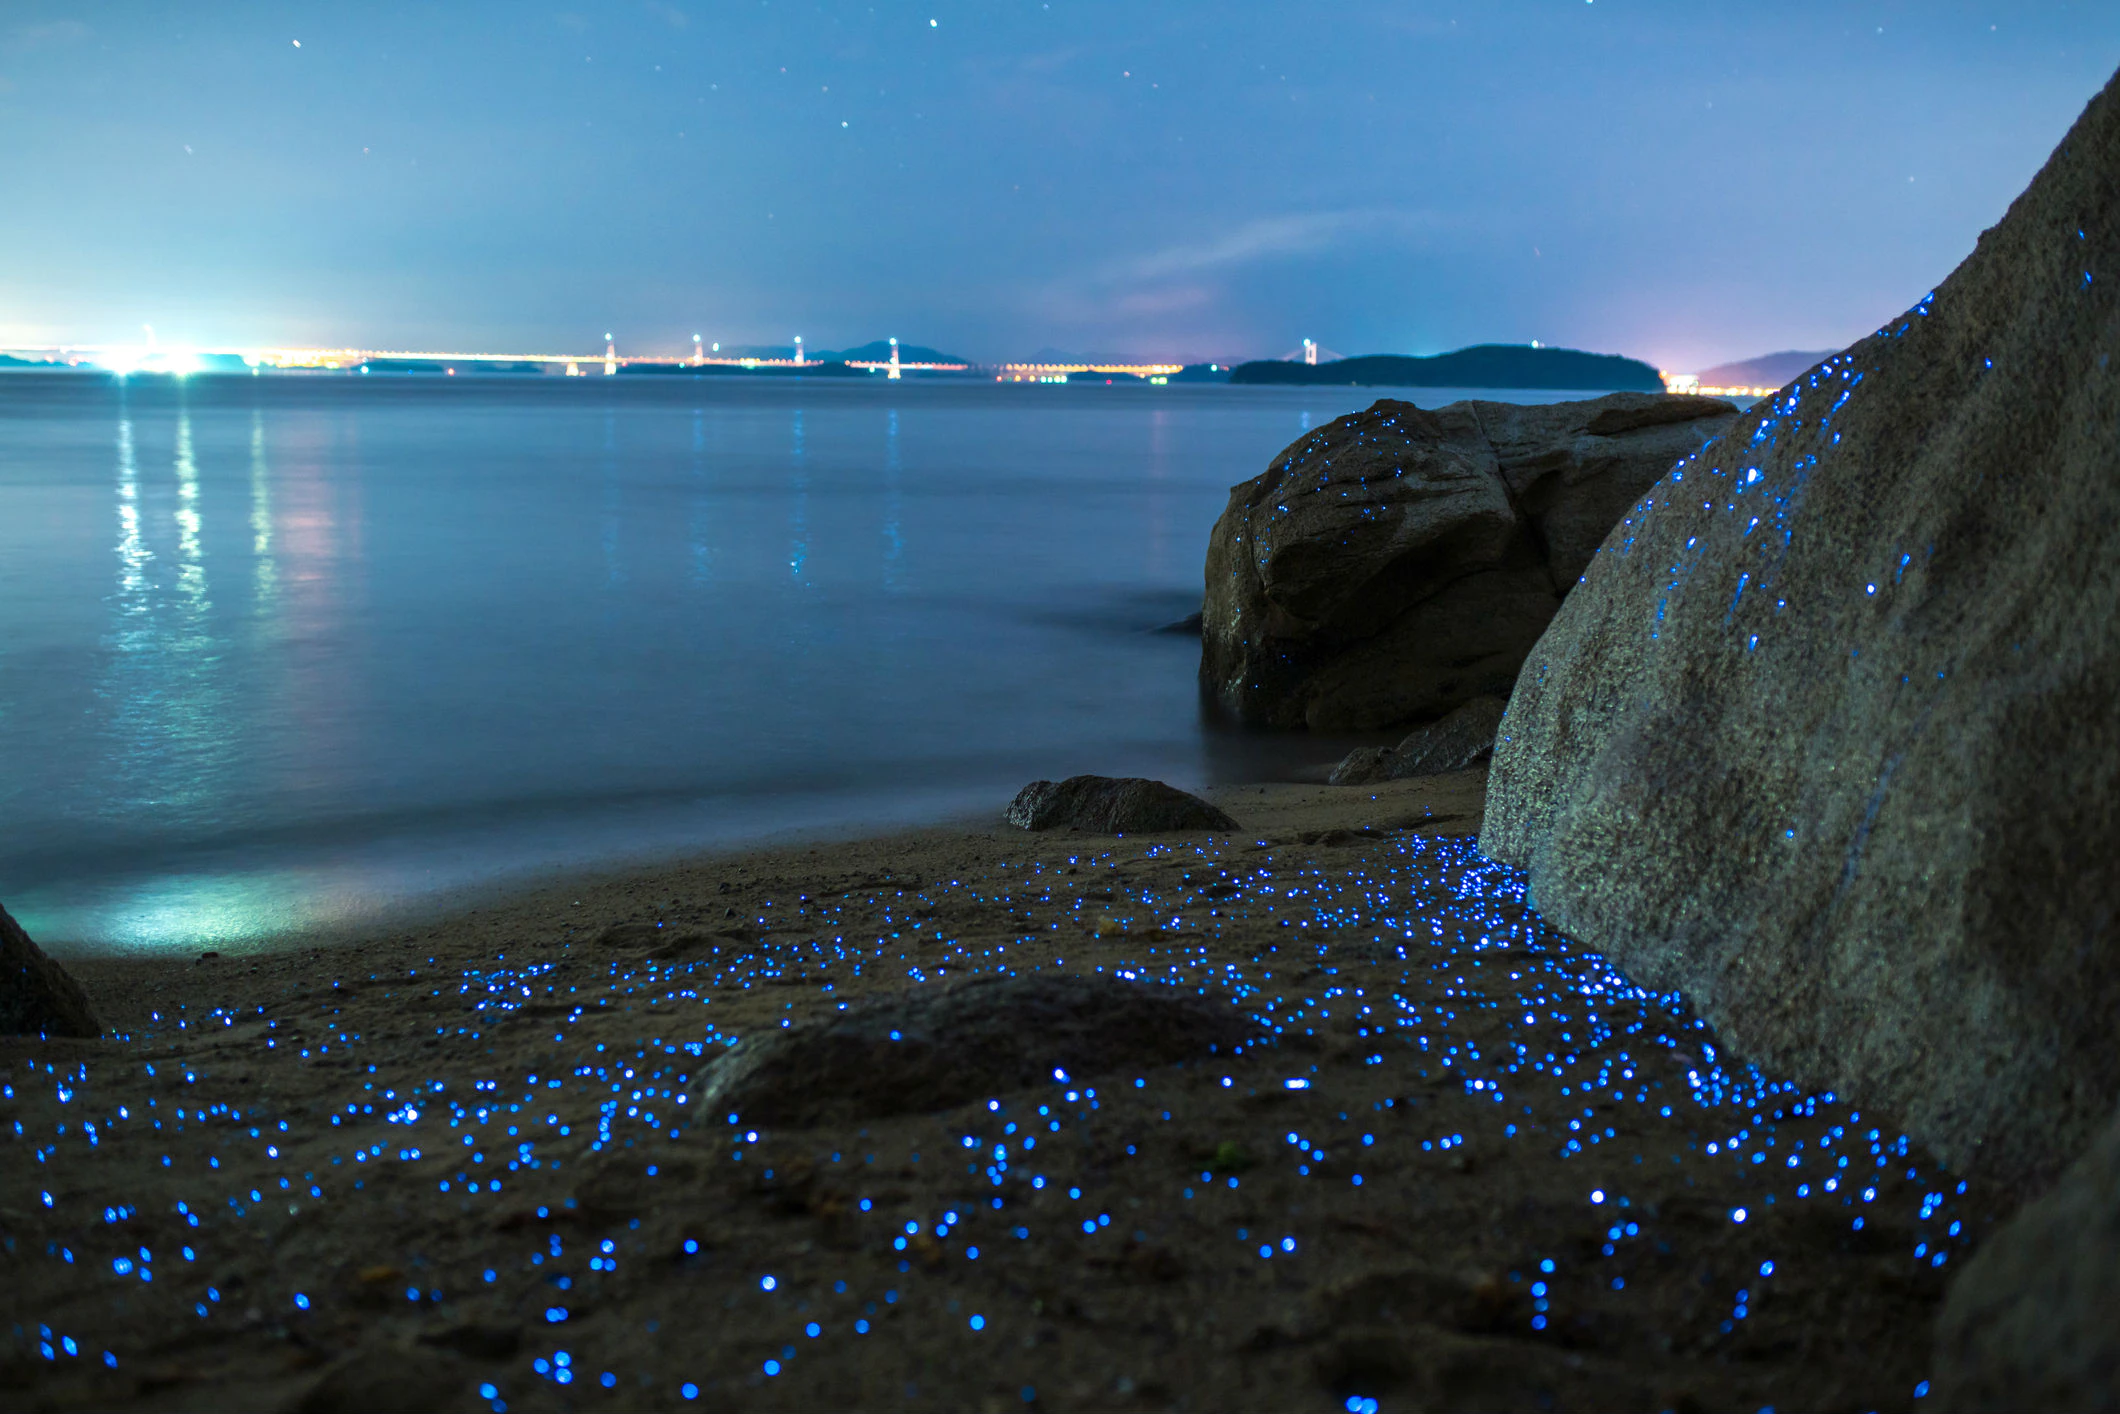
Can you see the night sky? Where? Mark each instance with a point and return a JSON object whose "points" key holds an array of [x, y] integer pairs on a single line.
{"points": [[1178, 179]]}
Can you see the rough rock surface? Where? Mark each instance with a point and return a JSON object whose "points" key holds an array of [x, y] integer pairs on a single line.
{"points": [[1456, 743], [1112, 805], [379, 1378], [943, 1044], [1398, 562], [37, 996], [2033, 1322], [1829, 736]]}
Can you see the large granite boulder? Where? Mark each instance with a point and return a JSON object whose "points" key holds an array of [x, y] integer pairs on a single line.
{"points": [[1398, 562], [37, 996], [2033, 1322], [1829, 736]]}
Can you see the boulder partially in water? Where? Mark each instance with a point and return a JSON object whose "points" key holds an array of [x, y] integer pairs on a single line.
{"points": [[1398, 562], [1458, 742], [1113, 805], [1829, 736], [943, 1044], [2033, 1322], [37, 995]]}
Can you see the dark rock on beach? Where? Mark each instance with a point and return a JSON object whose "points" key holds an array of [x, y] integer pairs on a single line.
{"points": [[2033, 1322], [1458, 742], [1829, 736], [1399, 562], [1112, 805], [943, 1044], [37, 996]]}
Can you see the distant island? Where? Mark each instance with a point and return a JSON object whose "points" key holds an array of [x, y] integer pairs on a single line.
{"points": [[879, 351], [1481, 366]]}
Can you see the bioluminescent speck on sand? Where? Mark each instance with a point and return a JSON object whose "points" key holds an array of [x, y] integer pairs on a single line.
{"points": [[1459, 1138]]}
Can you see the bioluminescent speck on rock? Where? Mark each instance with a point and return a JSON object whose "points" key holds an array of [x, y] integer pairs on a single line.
{"points": [[1455, 1118]]}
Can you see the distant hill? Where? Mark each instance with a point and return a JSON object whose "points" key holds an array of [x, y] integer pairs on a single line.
{"points": [[1767, 371], [1481, 366], [1202, 373], [880, 352]]}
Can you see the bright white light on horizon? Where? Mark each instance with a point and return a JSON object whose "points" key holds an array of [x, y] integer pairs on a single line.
{"points": [[176, 362]]}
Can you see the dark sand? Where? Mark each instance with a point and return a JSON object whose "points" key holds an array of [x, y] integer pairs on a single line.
{"points": [[394, 1172]]}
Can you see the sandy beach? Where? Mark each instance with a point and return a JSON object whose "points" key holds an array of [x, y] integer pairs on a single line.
{"points": [[463, 1165]]}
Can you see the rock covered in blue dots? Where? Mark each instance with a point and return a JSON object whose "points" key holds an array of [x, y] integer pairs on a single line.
{"points": [[1399, 562], [37, 995], [1829, 736], [1113, 805]]}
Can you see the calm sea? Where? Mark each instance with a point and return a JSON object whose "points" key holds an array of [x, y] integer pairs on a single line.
{"points": [[299, 652]]}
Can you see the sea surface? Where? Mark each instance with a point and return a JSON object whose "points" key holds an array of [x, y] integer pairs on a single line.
{"points": [[289, 654]]}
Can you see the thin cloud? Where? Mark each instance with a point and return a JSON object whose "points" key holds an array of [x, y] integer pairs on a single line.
{"points": [[53, 33], [1269, 237], [1191, 279]]}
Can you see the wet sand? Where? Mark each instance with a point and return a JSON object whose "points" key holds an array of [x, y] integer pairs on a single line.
{"points": [[460, 1165]]}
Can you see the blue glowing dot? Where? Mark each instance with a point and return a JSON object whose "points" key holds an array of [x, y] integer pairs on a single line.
{"points": [[978, 1323]]}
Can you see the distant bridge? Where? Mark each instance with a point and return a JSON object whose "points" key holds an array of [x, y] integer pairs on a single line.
{"points": [[183, 360], [170, 360]]}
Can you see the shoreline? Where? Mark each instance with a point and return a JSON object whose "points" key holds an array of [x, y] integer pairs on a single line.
{"points": [[588, 898], [1461, 1163]]}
